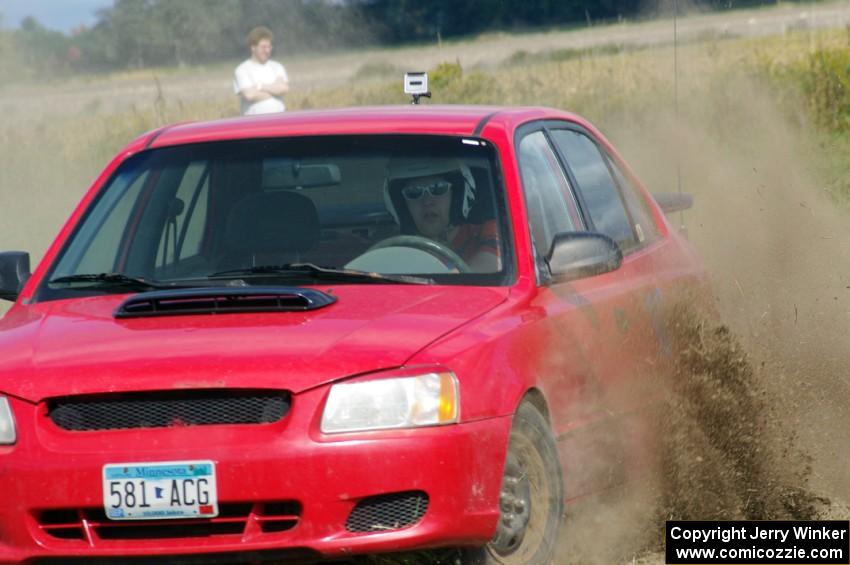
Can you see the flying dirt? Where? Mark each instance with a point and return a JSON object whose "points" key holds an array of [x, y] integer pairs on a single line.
{"points": [[754, 426]]}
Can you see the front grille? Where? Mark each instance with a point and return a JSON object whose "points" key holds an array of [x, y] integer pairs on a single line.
{"points": [[90, 525], [168, 409], [387, 512]]}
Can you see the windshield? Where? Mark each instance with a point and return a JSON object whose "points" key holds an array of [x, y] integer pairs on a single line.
{"points": [[427, 206]]}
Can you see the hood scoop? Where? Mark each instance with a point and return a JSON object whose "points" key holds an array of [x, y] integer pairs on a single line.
{"points": [[223, 300]]}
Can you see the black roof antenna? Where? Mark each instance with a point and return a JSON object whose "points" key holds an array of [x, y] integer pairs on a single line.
{"points": [[676, 106]]}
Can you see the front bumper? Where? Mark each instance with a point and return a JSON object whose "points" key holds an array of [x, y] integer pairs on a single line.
{"points": [[281, 486]]}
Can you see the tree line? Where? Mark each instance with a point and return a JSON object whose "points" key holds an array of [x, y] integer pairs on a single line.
{"points": [[143, 33]]}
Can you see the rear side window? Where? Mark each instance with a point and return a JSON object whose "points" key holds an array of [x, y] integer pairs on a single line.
{"points": [[596, 186], [644, 223]]}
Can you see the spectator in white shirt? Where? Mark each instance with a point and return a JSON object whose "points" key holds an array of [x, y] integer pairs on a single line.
{"points": [[259, 81]]}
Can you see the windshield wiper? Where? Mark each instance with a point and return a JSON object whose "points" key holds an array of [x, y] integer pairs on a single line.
{"points": [[119, 280], [301, 270]]}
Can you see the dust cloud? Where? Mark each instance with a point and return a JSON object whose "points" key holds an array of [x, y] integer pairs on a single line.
{"points": [[779, 253], [755, 423]]}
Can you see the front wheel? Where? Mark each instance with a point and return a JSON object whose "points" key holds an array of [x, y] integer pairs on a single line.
{"points": [[531, 501]]}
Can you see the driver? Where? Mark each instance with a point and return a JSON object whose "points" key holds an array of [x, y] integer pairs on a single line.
{"points": [[437, 195]]}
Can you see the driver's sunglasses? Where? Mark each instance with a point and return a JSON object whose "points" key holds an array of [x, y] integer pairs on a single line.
{"points": [[417, 191]]}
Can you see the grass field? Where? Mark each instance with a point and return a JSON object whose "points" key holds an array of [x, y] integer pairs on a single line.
{"points": [[760, 134], [55, 139]]}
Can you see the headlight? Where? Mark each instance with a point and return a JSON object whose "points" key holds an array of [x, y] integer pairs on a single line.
{"points": [[7, 423], [430, 399]]}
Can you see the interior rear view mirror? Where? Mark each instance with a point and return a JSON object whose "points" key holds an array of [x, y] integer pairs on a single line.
{"points": [[293, 174]]}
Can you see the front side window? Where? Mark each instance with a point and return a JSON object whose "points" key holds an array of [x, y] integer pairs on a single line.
{"points": [[596, 186], [395, 205], [548, 198]]}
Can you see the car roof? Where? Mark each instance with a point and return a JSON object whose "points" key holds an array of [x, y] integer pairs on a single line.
{"points": [[401, 119]]}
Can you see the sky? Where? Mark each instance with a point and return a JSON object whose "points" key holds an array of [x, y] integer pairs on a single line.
{"points": [[61, 15]]}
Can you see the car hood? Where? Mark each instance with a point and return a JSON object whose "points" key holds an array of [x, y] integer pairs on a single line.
{"points": [[69, 347]]}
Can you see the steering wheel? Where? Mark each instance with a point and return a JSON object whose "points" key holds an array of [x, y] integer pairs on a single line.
{"points": [[442, 251]]}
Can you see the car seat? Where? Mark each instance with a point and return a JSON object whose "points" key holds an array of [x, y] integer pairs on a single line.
{"points": [[483, 210], [270, 228]]}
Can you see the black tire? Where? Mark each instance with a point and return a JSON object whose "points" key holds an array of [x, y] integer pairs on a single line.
{"points": [[532, 459]]}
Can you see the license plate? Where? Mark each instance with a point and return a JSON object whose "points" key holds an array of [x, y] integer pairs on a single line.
{"points": [[160, 491]]}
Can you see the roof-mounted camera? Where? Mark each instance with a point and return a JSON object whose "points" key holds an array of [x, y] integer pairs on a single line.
{"points": [[416, 84]]}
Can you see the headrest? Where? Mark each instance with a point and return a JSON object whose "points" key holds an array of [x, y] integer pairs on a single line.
{"points": [[272, 222]]}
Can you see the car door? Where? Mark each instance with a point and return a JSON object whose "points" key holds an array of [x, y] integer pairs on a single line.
{"points": [[612, 206], [590, 325]]}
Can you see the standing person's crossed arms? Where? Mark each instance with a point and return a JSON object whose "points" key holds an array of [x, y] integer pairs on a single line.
{"points": [[260, 82]]}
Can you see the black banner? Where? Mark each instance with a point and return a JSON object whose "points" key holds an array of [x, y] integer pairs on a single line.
{"points": [[758, 543]]}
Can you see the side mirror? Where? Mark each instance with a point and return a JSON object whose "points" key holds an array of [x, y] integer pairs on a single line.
{"points": [[670, 202], [14, 272], [576, 255]]}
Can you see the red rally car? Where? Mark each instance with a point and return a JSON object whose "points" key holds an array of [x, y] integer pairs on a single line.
{"points": [[317, 335]]}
